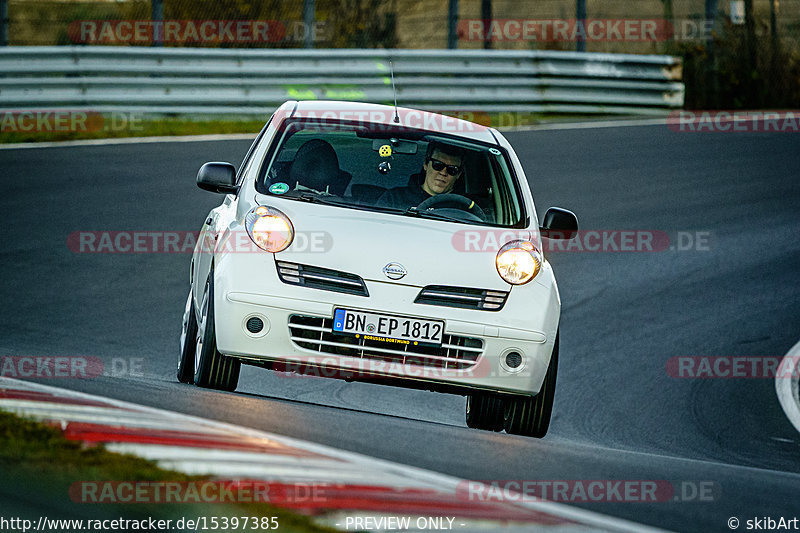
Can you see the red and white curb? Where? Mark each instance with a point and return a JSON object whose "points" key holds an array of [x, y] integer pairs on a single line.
{"points": [[355, 486]]}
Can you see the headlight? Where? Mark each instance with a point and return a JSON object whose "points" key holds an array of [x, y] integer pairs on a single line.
{"points": [[270, 229], [518, 262]]}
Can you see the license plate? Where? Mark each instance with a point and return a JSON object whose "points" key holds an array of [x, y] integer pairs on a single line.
{"points": [[388, 328]]}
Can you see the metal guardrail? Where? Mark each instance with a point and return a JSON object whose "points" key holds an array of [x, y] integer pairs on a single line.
{"points": [[255, 82]]}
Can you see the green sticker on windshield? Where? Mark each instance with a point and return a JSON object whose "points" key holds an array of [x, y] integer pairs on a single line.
{"points": [[278, 188]]}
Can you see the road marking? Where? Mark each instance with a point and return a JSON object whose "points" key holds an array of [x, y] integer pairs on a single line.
{"points": [[787, 387], [621, 123], [251, 136], [133, 140], [592, 124]]}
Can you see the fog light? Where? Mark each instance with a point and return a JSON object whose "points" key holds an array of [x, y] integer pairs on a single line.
{"points": [[513, 360], [255, 324]]}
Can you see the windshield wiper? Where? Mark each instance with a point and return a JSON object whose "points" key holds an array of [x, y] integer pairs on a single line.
{"points": [[414, 212], [313, 198]]}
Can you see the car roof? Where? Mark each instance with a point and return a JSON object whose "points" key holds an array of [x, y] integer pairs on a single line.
{"points": [[384, 115]]}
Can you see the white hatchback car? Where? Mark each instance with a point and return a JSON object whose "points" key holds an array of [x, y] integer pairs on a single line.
{"points": [[381, 244]]}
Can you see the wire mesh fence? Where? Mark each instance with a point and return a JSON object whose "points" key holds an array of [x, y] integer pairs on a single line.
{"points": [[737, 54], [223, 23]]}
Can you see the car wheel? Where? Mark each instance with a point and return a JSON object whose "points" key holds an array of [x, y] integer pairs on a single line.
{"points": [[188, 343], [530, 416], [211, 368], [485, 411]]}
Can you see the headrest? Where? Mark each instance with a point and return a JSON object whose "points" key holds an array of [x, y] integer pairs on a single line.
{"points": [[315, 165]]}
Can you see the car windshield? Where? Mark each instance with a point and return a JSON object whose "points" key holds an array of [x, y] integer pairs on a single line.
{"points": [[401, 171]]}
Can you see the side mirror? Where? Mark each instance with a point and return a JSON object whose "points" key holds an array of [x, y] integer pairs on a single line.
{"points": [[559, 224], [218, 177]]}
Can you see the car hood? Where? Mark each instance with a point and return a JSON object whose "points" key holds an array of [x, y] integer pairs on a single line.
{"points": [[432, 252]]}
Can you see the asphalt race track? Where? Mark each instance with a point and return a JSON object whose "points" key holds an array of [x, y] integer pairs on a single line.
{"points": [[618, 415]]}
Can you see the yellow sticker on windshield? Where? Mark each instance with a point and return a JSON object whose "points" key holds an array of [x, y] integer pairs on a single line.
{"points": [[385, 150]]}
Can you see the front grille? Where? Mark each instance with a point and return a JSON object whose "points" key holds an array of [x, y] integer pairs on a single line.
{"points": [[321, 278], [316, 333], [463, 297]]}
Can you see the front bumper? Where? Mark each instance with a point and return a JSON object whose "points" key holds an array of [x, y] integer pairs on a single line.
{"points": [[527, 325]]}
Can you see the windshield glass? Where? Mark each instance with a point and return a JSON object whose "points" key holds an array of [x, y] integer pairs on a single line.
{"points": [[402, 171]]}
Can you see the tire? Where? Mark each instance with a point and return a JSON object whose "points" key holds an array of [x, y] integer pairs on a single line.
{"points": [[212, 369], [188, 343], [485, 411], [530, 415]]}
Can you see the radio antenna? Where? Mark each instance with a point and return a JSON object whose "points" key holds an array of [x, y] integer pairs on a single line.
{"points": [[394, 90]]}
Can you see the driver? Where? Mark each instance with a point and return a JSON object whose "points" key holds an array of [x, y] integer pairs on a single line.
{"points": [[443, 167]]}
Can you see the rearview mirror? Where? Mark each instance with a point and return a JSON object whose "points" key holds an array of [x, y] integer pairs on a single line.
{"points": [[217, 177], [559, 224]]}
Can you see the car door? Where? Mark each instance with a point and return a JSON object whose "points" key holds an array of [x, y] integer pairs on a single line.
{"points": [[215, 223]]}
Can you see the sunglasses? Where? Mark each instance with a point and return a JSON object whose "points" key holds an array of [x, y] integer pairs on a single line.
{"points": [[437, 165]]}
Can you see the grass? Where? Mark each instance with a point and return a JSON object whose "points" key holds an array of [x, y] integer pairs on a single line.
{"points": [[40, 466]]}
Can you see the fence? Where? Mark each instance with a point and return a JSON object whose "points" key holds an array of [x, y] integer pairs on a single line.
{"points": [[184, 81]]}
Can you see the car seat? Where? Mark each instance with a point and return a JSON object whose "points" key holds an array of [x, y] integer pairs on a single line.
{"points": [[316, 166]]}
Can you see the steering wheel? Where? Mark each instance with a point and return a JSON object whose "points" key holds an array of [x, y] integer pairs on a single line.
{"points": [[456, 201]]}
